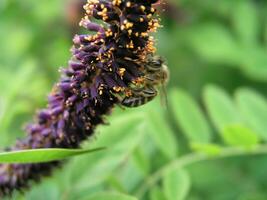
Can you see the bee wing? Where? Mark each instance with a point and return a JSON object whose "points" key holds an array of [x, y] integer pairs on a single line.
{"points": [[163, 96]]}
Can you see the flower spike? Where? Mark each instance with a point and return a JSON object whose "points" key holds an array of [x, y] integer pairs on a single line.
{"points": [[106, 68]]}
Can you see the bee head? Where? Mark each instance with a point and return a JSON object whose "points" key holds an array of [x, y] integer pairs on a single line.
{"points": [[154, 63]]}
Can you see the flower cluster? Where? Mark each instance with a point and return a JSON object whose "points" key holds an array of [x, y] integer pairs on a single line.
{"points": [[104, 67]]}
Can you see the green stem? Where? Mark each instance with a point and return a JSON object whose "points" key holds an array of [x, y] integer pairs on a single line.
{"points": [[194, 158]]}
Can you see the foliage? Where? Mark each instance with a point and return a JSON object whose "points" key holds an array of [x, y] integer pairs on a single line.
{"points": [[42, 155], [207, 143]]}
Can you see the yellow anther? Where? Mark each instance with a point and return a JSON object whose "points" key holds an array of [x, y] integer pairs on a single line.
{"points": [[109, 33], [128, 93], [144, 34], [116, 2], [139, 81], [130, 45], [129, 25], [122, 72], [128, 4], [118, 89], [143, 8], [149, 16]]}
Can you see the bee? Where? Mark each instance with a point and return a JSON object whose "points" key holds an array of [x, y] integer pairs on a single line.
{"points": [[157, 74]]}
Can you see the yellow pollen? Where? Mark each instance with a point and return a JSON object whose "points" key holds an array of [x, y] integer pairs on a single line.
{"points": [[118, 89], [122, 72], [149, 16], [122, 27], [130, 46], [143, 8], [130, 32], [144, 34], [129, 25], [109, 33], [116, 2], [139, 81], [128, 93], [128, 4]]}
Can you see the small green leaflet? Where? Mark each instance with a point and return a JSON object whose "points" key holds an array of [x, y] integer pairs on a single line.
{"points": [[156, 193], [162, 134], [176, 184], [239, 135], [42, 155], [190, 117], [220, 107], [253, 107]]}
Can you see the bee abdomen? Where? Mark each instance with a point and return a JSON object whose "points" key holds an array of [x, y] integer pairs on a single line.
{"points": [[136, 101]]}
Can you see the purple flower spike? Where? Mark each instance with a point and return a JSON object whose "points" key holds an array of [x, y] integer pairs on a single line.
{"points": [[103, 68]]}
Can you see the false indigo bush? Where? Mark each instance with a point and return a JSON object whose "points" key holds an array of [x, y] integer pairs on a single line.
{"points": [[103, 67]]}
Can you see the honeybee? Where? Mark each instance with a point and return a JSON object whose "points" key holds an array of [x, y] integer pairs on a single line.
{"points": [[157, 74]]}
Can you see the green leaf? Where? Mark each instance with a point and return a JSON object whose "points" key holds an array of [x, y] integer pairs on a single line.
{"points": [[141, 161], [162, 134], [176, 184], [130, 175], [190, 117], [246, 22], [156, 194], [47, 190], [110, 196], [254, 63], [253, 107], [221, 108], [214, 43], [115, 184], [209, 149], [42, 155], [238, 135]]}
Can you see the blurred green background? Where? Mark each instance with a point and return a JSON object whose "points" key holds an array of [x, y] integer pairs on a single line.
{"points": [[217, 55]]}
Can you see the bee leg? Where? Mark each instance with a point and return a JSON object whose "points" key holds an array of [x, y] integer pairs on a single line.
{"points": [[120, 99], [121, 106]]}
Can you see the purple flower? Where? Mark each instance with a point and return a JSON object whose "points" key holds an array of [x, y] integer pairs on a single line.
{"points": [[103, 67]]}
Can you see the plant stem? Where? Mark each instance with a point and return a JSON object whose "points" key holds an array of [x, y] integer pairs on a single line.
{"points": [[192, 158]]}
